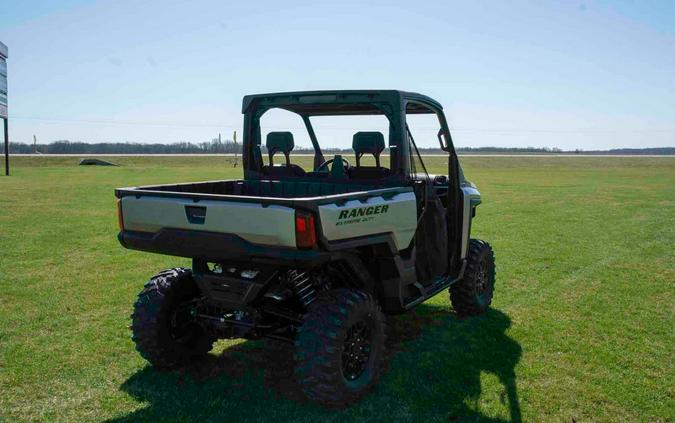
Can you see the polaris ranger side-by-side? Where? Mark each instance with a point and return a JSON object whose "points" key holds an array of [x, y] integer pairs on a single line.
{"points": [[314, 257]]}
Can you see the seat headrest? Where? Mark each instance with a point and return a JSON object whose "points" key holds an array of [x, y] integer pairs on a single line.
{"points": [[279, 142], [368, 142]]}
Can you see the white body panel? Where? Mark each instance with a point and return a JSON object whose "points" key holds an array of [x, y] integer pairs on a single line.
{"points": [[272, 225], [471, 197], [377, 215]]}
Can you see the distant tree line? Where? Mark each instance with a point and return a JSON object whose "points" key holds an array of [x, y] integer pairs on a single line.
{"points": [[229, 147], [666, 151], [67, 147]]}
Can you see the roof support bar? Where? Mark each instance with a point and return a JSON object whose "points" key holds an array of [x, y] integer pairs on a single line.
{"points": [[318, 155]]}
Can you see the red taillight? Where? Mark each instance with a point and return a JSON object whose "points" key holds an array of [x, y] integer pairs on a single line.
{"points": [[305, 232], [120, 217]]}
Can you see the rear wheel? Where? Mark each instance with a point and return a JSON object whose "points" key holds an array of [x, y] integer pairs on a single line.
{"points": [[339, 347], [472, 294], [164, 328]]}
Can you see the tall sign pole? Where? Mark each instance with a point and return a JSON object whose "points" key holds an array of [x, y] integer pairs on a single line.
{"points": [[6, 146], [3, 101]]}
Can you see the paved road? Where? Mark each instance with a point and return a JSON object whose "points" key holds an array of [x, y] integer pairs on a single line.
{"points": [[310, 155]]}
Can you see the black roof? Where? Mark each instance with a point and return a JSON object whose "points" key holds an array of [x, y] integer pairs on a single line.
{"points": [[337, 102]]}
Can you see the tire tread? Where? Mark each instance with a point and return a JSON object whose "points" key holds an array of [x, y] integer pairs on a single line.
{"points": [[462, 293], [148, 320], [319, 347]]}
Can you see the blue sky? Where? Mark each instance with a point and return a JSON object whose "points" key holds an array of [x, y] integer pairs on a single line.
{"points": [[560, 74]]}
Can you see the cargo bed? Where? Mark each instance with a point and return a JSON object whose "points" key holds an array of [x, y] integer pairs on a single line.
{"points": [[286, 189], [261, 212]]}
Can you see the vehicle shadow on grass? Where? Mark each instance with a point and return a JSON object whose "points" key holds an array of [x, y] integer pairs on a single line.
{"points": [[432, 373]]}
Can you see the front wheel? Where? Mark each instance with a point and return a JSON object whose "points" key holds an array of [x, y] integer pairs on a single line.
{"points": [[472, 295], [163, 326], [339, 347]]}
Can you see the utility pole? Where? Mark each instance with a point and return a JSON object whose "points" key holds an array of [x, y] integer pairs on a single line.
{"points": [[34, 144]]}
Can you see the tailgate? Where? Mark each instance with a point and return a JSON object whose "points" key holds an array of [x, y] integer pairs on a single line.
{"points": [[268, 225]]}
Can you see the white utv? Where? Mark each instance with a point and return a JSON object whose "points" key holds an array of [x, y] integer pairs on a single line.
{"points": [[314, 258]]}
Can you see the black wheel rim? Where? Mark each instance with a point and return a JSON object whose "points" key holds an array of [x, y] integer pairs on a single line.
{"points": [[183, 325], [356, 350]]}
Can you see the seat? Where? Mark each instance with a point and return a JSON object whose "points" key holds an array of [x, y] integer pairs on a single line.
{"points": [[368, 142], [281, 142]]}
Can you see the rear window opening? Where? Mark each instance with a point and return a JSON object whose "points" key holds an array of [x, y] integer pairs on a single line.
{"points": [[334, 136]]}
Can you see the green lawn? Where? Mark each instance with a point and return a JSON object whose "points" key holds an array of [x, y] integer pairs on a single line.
{"points": [[582, 326]]}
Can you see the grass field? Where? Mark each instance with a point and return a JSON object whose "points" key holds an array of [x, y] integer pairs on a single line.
{"points": [[582, 326]]}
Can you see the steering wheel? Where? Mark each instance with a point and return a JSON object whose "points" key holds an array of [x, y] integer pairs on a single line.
{"points": [[324, 166]]}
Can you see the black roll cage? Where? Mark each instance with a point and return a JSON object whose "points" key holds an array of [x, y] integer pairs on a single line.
{"points": [[391, 103]]}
